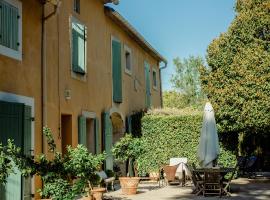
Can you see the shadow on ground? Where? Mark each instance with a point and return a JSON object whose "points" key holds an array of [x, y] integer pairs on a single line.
{"points": [[242, 189]]}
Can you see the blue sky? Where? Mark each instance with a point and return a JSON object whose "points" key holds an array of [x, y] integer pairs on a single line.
{"points": [[178, 27]]}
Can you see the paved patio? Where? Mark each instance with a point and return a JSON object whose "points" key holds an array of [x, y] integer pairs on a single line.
{"points": [[242, 189]]}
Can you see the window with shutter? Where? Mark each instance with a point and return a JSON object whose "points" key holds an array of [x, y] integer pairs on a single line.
{"points": [[155, 79], [11, 28], [78, 47], [128, 60], [117, 71]]}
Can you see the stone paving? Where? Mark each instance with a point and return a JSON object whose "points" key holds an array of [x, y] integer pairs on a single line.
{"points": [[242, 189]]}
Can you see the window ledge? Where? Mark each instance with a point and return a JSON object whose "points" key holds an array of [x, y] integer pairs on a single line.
{"points": [[17, 55], [128, 72]]}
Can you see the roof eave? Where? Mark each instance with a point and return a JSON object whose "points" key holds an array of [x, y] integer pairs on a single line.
{"points": [[116, 2], [133, 33]]}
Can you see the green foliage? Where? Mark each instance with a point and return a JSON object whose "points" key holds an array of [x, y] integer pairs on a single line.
{"points": [[5, 165], [50, 141], [127, 147], [57, 173], [167, 136], [174, 99], [186, 79], [58, 189], [238, 84], [82, 164]]}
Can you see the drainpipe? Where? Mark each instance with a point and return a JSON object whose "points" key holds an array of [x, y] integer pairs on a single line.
{"points": [[44, 68], [160, 69]]}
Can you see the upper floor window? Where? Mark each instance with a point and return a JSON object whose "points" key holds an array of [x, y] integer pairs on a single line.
{"points": [[78, 46], [76, 6], [11, 28], [128, 60], [155, 79]]}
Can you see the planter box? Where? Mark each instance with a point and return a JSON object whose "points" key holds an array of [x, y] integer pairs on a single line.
{"points": [[129, 185]]}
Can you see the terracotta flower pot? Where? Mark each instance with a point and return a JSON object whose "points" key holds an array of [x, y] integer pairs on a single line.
{"points": [[98, 193], [129, 185], [86, 198]]}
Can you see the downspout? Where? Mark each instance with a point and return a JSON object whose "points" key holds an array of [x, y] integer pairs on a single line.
{"points": [[160, 69], [44, 70]]}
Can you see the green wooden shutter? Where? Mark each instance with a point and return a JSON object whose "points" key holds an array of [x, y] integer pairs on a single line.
{"points": [[117, 72], [11, 127], [147, 85], [9, 25], [82, 131], [27, 192], [108, 140], [97, 137]]}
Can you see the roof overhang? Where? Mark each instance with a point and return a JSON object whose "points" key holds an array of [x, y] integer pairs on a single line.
{"points": [[133, 33], [110, 1]]}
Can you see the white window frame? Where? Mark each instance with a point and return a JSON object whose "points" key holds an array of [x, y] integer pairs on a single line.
{"points": [[127, 49], [75, 74], [153, 82], [8, 51]]}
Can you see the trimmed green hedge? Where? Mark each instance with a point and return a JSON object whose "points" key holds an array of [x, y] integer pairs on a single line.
{"points": [[173, 135]]}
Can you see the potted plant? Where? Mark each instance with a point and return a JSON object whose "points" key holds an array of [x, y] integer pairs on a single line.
{"points": [[57, 173], [128, 149], [82, 166]]}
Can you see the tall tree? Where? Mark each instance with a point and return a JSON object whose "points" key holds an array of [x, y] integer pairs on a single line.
{"points": [[186, 79], [238, 84]]}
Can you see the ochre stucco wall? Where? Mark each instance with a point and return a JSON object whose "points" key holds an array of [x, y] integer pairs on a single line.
{"points": [[24, 77], [94, 94]]}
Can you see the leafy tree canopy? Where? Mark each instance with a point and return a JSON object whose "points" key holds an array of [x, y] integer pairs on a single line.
{"points": [[186, 79], [238, 84]]}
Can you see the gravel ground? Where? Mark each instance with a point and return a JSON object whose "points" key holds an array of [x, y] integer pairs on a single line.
{"points": [[242, 189]]}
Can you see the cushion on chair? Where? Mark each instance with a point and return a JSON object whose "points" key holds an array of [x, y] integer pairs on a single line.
{"points": [[181, 167], [102, 175]]}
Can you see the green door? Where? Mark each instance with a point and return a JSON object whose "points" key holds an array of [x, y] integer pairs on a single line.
{"points": [[108, 139], [147, 85], [15, 123]]}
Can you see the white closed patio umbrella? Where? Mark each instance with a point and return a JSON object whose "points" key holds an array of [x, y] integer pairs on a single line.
{"points": [[208, 149]]}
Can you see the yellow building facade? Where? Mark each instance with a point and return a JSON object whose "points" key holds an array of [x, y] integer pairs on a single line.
{"points": [[77, 67]]}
